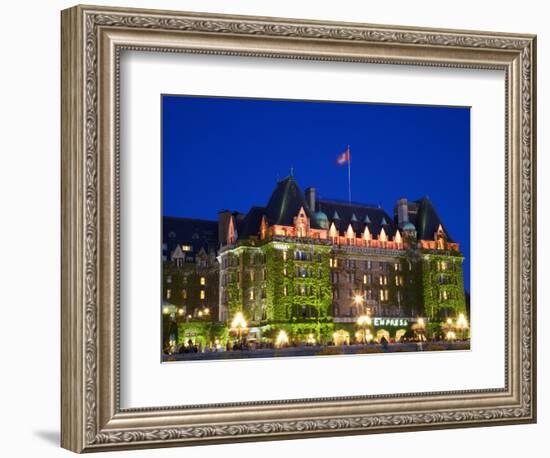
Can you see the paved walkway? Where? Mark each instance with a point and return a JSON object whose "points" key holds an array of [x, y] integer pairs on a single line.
{"points": [[317, 351]]}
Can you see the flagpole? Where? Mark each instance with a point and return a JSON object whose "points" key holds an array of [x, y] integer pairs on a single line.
{"points": [[349, 174]]}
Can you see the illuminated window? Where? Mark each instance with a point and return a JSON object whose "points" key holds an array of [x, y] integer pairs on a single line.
{"points": [[251, 275], [284, 255], [251, 295], [186, 248], [365, 279], [203, 281], [184, 293], [168, 293], [169, 279], [285, 272], [203, 294], [285, 290]]}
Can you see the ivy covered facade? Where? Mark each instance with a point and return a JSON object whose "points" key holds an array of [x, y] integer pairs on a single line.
{"points": [[312, 267]]}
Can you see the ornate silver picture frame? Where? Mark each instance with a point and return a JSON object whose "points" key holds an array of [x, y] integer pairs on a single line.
{"points": [[92, 41]]}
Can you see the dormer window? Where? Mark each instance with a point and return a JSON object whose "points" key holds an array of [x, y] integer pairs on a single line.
{"points": [[397, 237], [231, 232], [263, 229], [366, 234], [301, 223], [350, 235], [333, 233], [383, 237], [440, 238]]}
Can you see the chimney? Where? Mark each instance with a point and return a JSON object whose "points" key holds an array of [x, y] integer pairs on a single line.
{"points": [[402, 209], [223, 224], [311, 198]]}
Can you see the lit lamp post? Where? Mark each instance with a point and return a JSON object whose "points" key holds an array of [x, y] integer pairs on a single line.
{"points": [[282, 339], [364, 321], [421, 328], [451, 335], [238, 324], [462, 325], [169, 326], [358, 300]]}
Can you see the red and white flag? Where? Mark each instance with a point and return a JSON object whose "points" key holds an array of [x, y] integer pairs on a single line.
{"points": [[344, 157]]}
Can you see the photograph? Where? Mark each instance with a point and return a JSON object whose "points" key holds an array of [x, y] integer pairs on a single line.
{"points": [[304, 228]]}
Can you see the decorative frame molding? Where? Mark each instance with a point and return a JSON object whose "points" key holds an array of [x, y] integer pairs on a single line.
{"points": [[92, 39]]}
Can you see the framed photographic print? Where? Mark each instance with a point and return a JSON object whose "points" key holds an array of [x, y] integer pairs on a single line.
{"points": [[278, 228]]}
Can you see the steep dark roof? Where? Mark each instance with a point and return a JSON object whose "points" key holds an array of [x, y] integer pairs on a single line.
{"points": [[427, 221], [285, 203], [362, 212], [250, 225], [198, 233]]}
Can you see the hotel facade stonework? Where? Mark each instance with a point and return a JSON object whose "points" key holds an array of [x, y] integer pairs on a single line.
{"points": [[312, 268]]}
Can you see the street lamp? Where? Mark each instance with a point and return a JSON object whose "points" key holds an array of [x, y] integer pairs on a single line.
{"points": [[421, 327], [238, 324], [364, 321], [451, 335], [282, 339], [462, 325], [358, 299]]}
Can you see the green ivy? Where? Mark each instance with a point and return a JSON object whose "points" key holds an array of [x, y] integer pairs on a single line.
{"points": [[435, 307], [318, 295]]}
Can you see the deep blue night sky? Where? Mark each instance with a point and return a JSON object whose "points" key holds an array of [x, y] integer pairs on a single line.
{"points": [[227, 153]]}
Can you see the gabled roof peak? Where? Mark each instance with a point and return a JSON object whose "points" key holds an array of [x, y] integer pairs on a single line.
{"points": [[285, 203]]}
